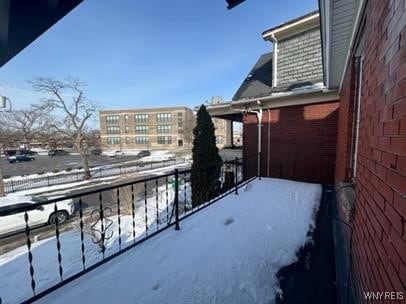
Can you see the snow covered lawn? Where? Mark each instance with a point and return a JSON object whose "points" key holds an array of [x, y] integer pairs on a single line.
{"points": [[229, 252]]}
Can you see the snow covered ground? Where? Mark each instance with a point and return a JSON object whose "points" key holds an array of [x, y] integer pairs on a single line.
{"points": [[229, 252]]}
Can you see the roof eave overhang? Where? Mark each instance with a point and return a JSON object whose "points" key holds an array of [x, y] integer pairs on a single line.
{"points": [[278, 100], [292, 29], [287, 99], [334, 73]]}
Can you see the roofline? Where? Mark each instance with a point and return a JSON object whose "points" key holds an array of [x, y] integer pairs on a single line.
{"points": [[279, 100], [325, 40], [284, 95], [290, 24], [357, 23], [131, 110]]}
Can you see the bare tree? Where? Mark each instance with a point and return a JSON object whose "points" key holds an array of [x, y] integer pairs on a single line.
{"points": [[189, 124], [71, 113], [27, 122]]}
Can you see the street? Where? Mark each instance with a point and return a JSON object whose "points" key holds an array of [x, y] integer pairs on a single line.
{"points": [[45, 163]]}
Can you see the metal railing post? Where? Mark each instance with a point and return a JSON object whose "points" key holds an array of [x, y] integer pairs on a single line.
{"points": [[259, 165], [176, 202], [236, 176]]}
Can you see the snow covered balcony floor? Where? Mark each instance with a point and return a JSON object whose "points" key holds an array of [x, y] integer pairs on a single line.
{"points": [[229, 252]]}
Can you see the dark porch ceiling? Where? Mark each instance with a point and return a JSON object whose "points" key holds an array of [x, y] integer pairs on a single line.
{"points": [[23, 21], [233, 3]]}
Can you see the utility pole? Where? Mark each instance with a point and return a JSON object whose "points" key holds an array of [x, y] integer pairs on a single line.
{"points": [[3, 105], [1, 175]]}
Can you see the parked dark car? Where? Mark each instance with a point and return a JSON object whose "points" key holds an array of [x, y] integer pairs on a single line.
{"points": [[10, 152], [144, 153], [19, 158], [57, 152], [27, 152], [96, 151]]}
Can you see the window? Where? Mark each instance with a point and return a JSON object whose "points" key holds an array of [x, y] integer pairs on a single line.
{"points": [[112, 119], [141, 117], [141, 129], [164, 129], [164, 140], [141, 140], [113, 130], [113, 140], [180, 142], [127, 140], [126, 117], [180, 119], [127, 129], [219, 139], [163, 117]]}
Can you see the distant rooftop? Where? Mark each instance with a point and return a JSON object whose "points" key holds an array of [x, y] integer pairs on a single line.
{"points": [[258, 83], [259, 80]]}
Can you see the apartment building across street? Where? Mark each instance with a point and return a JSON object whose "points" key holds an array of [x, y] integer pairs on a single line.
{"points": [[165, 128]]}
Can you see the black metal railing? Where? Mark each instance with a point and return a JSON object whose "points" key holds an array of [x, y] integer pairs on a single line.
{"points": [[104, 223], [19, 184]]}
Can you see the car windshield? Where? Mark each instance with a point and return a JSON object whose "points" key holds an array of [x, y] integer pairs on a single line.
{"points": [[39, 199]]}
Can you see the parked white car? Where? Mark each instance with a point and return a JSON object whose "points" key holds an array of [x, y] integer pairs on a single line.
{"points": [[44, 214], [114, 153]]}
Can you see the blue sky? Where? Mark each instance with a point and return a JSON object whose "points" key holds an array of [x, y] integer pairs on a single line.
{"points": [[147, 53]]}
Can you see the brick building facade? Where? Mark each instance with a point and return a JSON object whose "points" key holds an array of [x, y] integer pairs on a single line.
{"points": [[161, 128], [298, 142], [146, 129], [298, 117], [371, 150]]}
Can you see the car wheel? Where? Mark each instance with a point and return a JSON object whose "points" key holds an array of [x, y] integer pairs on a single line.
{"points": [[62, 217]]}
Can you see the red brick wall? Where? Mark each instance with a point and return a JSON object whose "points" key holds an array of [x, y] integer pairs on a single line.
{"points": [[380, 208], [345, 121], [302, 142]]}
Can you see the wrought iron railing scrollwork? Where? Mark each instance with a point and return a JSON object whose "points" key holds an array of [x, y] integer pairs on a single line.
{"points": [[114, 218], [101, 227]]}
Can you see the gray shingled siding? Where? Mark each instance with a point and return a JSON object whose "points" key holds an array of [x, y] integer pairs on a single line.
{"points": [[299, 58]]}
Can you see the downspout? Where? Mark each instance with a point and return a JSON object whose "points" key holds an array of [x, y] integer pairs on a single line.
{"points": [[269, 143], [258, 113], [274, 60], [259, 117], [358, 119]]}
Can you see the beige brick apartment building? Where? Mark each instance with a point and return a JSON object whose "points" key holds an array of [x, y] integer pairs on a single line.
{"points": [[153, 129]]}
